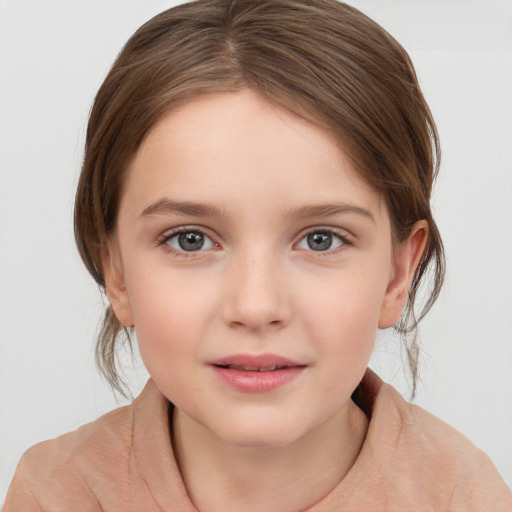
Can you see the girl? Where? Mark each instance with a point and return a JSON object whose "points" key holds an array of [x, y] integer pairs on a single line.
{"points": [[255, 201]]}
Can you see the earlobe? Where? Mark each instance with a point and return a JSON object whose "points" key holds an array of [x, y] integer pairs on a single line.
{"points": [[115, 286], [407, 259]]}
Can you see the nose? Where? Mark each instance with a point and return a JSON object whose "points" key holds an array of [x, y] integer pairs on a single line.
{"points": [[257, 298]]}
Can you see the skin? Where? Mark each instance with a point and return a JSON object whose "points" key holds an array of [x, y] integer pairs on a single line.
{"points": [[256, 287]]}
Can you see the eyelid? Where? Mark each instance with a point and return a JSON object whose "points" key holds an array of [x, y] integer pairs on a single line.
{"points": [[342, 234], [172, 232]]}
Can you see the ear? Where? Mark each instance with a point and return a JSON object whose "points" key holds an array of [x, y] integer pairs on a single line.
{"points": [[407, 259], [114, 284]]}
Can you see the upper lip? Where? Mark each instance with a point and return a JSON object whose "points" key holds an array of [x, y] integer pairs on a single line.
{"points": [[255, 362]]}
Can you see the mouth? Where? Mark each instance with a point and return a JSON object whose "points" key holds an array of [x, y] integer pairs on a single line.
{"points": [[251, 368], [256, 374]]}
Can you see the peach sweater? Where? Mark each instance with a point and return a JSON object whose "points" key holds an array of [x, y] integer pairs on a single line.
{"points": [[124, 462]]}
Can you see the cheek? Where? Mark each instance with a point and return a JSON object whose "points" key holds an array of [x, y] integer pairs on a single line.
{"points": [[348, 301], [171, 314], [343, 320], [169, 334]]}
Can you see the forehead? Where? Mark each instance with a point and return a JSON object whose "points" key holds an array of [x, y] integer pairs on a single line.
{"points": [[239, 150]]}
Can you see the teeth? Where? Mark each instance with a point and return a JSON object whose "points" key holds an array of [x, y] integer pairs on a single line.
{"points": [[252, 368], [240, 367]]}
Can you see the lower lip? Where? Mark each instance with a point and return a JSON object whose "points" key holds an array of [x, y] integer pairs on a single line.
{"points": [[257, 382]]}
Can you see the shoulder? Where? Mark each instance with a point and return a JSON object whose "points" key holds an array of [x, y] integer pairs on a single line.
{"points": [[122, 461], [449, 467], [70, 468], [93, 443]]}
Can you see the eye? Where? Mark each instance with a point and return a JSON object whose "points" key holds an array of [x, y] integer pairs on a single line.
{"points": [[321, 240], [190, 240]]}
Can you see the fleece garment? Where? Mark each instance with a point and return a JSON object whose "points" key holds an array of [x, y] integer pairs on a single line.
{"points": [[124, 462]]}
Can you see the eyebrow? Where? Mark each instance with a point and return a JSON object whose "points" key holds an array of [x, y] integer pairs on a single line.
{"points": [[328, 210], [167, 206]]}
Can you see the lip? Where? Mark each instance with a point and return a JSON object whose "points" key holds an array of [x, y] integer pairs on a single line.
{"points": [[256, 373]]}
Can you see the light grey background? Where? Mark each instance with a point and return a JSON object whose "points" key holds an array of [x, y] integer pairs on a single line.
{"points": [[54, 55]]}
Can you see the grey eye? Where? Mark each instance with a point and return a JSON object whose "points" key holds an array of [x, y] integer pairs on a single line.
{"points": [[190, 241], [320, 241]]}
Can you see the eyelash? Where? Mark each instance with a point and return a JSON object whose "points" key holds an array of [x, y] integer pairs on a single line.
{"points": [[331, 231], [165, 238]]}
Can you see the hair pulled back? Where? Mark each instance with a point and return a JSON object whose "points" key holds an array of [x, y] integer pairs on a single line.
{"points": [[320, 59]]}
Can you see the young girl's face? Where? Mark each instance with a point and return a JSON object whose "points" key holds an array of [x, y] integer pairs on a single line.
{"points": [[256, 266]]}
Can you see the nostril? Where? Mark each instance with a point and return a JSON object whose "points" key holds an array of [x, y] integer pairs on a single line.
{"points": [[257, 324]]}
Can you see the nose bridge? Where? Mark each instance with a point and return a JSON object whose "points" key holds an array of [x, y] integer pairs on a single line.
{"points": [[257, 297]]}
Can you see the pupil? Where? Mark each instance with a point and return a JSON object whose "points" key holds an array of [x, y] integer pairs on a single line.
{"points": [[319, 241], [191, 241]]}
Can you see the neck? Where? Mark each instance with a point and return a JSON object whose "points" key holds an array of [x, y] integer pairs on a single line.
{"points": [[223, 477]]}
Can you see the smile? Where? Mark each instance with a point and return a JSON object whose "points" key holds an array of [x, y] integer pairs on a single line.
{"points": [[253, 369], [256, 374]]}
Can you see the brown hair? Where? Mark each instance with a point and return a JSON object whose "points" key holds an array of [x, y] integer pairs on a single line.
{"points": [[320, 59]]}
